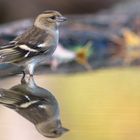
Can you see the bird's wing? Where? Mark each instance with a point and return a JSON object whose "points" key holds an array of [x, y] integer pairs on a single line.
{"points": [[10, 97], [9, 45], [32, 39], [15, 99], [11, 55], [24, 46]]}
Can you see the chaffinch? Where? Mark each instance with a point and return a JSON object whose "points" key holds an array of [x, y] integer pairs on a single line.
{"points": [[36, 44]]}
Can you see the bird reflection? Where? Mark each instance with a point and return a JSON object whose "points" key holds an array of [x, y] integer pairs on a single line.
{"points": [[36, 104]]}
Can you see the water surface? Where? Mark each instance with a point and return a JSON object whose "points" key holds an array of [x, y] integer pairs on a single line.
{"points": [[99, 105]]}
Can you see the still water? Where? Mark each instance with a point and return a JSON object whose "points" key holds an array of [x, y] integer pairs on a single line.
{"points": [[99, 105]]}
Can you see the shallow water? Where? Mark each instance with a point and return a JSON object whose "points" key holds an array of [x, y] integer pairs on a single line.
{"points": [[99, 105]]}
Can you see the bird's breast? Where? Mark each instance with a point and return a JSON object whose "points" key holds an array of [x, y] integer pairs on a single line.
{"points": [[52, 41], [57, 36], [54, 34]]}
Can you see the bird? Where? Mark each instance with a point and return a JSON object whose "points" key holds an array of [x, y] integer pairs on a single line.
{"points": [[36, 104], [36, 44]]}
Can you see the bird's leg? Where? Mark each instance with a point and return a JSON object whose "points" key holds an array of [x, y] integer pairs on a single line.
{"points": [[31, 81], [23, 77], [31, 70]]}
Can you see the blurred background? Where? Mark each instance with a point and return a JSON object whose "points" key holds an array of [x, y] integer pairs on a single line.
{"points": [[12, 10], [99, 89]]}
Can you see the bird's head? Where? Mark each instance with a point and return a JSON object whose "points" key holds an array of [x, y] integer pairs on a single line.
{"points": [[51, 129], [49, 19]]}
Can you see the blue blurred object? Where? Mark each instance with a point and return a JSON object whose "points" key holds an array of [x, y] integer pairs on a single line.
{"points": [[8, 69]]}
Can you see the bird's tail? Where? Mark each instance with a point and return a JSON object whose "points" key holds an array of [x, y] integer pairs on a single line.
{"points": [[9, 98], [9, 55], [82, 55]]}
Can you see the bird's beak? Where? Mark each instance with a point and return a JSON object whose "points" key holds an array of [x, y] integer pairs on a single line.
{"points": [[63, 130], [61, 19]]}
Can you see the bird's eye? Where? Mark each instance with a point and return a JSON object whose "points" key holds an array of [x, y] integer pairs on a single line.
{"points": [[53, 17], [55, 132]]}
